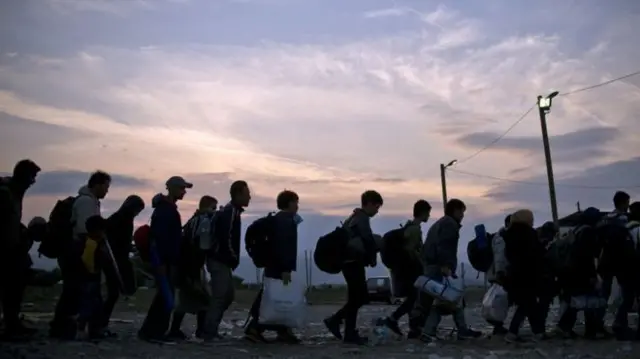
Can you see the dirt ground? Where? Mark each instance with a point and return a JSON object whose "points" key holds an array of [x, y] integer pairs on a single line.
{"points": [[317, 343]]}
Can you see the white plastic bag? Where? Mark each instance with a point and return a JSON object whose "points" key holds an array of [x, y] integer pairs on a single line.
{"points": [[283, 304], [449, 290], [495, 304]]}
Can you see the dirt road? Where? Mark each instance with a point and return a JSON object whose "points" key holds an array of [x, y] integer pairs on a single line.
{"points": [[317, 344]]}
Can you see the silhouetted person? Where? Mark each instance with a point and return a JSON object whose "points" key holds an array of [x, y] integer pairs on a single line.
{"points": [[14, 247]]}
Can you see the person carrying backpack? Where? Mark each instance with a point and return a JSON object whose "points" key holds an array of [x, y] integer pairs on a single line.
{"points": [[283, 250], [579, 277], [498, 270], [614, 241], [440, 260], [84, 206], [405, 275], [194, 292], [14, 247], [631, 288], [119, 275], [224, 256], [165, 237], [362, 252]]}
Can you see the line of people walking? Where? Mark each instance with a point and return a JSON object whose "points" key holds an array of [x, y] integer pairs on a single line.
{"points": [[200, 255]]}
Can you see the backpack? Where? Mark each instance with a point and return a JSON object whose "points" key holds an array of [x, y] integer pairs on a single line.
{"points": [[257, 242], [330, 250], [481, 256], [392, 249], [614, 239], [60, 229], [141, 242], [560, 250]]}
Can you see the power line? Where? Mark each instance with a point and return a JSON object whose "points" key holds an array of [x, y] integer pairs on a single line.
{"points": [[513, 125], [542, 184], [599, 85]]}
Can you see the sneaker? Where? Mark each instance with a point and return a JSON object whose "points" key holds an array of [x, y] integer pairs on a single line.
{"points": [[355, 338], [499, 331], [109, 334], [414, 334], [469, 334], [540, 337], [19, 333], [177, 335], [513, 338], [566, 334], [254, 335], [333, 326], [162, 340], [392, 324], [287, 337], [427, 338]]}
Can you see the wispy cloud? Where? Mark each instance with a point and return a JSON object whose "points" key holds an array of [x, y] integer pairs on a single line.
{"points": [[331, 118]]}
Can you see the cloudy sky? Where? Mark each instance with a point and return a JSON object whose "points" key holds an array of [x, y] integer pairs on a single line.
{"points": [[325, 97]]}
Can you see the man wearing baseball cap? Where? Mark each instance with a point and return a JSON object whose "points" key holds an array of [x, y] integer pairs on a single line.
{"points": [[165, 236]]}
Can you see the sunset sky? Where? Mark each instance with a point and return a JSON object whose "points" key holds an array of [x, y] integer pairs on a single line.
{"points": [[325, 97]]}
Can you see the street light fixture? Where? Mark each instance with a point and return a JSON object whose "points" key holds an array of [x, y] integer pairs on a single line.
{"points": [[544, 108], [544, 103], [443, 180]]}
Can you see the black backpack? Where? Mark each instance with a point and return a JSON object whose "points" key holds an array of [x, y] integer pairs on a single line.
{"points": [[60, 229], [256, 240], [330, 250], [392, 250], [480, 257]]}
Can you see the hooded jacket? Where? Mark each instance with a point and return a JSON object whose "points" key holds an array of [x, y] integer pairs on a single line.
{"points": [[10, 214], [120, 228], [85, 206], [227, 234], [165, 230], [440, 248], [284, 245]]}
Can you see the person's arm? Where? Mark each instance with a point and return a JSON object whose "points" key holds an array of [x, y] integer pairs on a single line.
{"points": [[84, 207], [448, 246], [7, 230], [413, 242], [287, 247], [499, 257], [89, 255], [362, 225], [224, 229]]}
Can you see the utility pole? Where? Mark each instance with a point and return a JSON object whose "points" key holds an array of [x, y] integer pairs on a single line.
{"points": [[443, 180], [544, 106]]}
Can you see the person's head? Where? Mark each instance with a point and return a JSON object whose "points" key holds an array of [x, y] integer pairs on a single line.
{"points": [[25, 173], [207, 204], [590, 216], [133, 205], [523, 216], [634, 211], [421, 211], [177, 188], [95, 226], [240, 193], [507, 221], [548, 231], [370, 202], [621, 201], [288, 201], [99, 183], [455, 209]]}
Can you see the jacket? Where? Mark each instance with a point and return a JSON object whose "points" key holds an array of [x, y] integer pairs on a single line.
{"points": [[581, 276], [85, 206], [10, 215], [165, 230], [500, 262], [525, 255], [227, 234], [440, 248], [284, 246], [362, 244], [93, 259]]}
